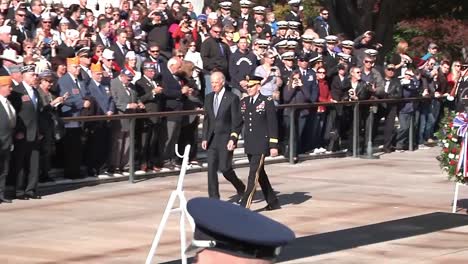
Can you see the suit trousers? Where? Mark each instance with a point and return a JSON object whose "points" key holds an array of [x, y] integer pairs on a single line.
{"points": [[152, 144], [220, 159], [97, 146], [257, 174], [72, 152], [172, 137], [25, 166], [389, 113], [4, 168], [46, 150], [120, 149]]}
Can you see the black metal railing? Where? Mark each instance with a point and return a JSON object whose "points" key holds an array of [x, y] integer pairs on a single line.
{"points": [[293, 107]]}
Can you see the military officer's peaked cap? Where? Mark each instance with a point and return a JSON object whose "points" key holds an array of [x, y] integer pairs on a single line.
{"points": [[235, 230], [347, 44], [282, 24], [245, 3], [253, 79], [371, 52]]}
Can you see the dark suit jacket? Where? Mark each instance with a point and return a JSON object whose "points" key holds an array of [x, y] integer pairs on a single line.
{"points": [[118, 55], [21, 36], [27, 115], [6, 130], [102, 97], [3, 71], [173, 94], [153, 103], [227, 123], [73, 106], [84, 76], [99, 40]]}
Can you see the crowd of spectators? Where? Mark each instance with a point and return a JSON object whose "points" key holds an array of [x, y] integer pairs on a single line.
{"points": [[151, 57]]}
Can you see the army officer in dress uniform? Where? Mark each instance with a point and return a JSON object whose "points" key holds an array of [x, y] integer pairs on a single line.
{"points": [[261, 139]]}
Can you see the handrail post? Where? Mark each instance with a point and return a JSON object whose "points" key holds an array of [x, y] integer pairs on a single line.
{"points": [[411, 133], [370, 124], [292, 135], [131, 170], [356, 130]]}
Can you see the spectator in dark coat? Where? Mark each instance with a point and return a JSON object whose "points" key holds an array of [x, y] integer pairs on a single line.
{"points": [[215, 55]]}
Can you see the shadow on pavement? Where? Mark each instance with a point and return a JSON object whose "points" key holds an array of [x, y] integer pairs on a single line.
{"points": [[313, 245], [366, 235]]}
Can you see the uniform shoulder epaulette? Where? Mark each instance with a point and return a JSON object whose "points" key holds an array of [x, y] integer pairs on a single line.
{"points": [[269, 98]]}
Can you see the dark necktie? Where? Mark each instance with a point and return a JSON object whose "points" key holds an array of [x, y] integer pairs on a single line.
{"points": [[221, 48], [251, 100]]}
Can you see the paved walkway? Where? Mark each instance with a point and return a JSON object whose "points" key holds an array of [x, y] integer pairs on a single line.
{"points": [[343, 211]]}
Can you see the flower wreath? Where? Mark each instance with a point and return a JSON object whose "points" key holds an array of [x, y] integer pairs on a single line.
{"points": [[454, 138]]}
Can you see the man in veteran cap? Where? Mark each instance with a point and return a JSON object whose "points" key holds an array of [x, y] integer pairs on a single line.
{"points": [[225, 233], [77, 104], [98, 143], [261, 140], [7, 125], [25, 160]]}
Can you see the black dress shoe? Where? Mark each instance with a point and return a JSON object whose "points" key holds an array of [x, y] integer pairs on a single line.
{"points": [[33, 196], [4, 200], [22, 197], [272, 206]]}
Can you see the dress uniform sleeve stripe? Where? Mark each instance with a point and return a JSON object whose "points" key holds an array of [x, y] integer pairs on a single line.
{"points": [[233, 134], [273, 140]]}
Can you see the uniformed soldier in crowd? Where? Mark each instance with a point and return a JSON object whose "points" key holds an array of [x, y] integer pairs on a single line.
{"points": [[260, 140], [226, 233]]}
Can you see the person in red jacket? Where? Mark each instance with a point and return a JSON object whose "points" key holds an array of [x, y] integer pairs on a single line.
{"points": [[324, 96]]}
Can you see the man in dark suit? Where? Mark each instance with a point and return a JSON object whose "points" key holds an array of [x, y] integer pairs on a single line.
{"points": [[25, 162], [261, 140], [98, 143], [7, 125], [221, 126], [120, 47], [19, 29], [175, 94], [77, 104], [391, 90], [85, 56], [215, 55], [102, 38], [150, 93]]}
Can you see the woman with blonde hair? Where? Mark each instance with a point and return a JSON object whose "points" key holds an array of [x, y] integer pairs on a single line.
{"points": [[401, 59], [271, 76]]}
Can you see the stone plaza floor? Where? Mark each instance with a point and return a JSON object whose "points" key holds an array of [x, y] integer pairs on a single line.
{"points": [[395, 209]]}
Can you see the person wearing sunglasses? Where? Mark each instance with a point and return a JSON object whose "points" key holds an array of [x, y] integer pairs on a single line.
{"points": [[320, 23], [19, 28]]}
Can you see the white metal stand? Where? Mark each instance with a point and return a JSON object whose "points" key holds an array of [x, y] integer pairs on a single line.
{"points": [[177, 194], [455, 197]]}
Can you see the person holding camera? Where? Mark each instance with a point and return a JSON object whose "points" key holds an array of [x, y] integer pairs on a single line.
{"points": [[410, 88], [401, 59], [271, 81], [295, 93], [359, 90]]}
